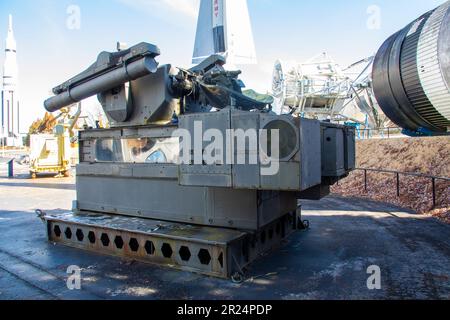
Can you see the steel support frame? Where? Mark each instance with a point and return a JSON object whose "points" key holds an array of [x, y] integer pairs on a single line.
{"points": [[171, 245]]}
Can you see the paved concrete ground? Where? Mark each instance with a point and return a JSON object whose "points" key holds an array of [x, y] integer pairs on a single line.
{"points": [[329, 261]]}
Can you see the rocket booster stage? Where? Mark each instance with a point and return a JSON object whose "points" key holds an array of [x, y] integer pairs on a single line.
{"points": [[411, 74]]}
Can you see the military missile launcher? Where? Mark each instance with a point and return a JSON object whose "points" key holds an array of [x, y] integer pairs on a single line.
{"points": [[191, 173]]}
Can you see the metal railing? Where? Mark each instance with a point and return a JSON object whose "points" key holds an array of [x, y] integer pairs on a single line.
{"points": [[384, 133], [398, 174]]}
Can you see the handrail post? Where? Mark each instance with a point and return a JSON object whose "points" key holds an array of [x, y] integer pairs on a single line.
{"points": [[11, 169], [398, 184], [433, 181], [365, 180]]}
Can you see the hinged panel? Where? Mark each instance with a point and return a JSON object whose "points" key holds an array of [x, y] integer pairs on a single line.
{"points": [[203, 129]]}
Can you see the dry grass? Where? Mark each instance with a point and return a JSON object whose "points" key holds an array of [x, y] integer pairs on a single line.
{"points": [[428, 156]]}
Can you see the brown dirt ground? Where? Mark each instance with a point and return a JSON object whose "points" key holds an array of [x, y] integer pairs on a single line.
{"points": [[430, 156]]}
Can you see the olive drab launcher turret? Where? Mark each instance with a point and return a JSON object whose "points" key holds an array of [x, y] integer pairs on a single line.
{"points": [[191, 173]]}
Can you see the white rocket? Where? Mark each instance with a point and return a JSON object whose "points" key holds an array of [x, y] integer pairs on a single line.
{"points": [[224, 28], [10, 120]]}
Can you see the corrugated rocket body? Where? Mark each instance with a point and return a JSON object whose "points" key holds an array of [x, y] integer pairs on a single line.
{"points": [[431, 73], [411, 73]]}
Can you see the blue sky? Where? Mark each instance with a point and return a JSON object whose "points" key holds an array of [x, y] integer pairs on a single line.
{"points": [[49, 52]]}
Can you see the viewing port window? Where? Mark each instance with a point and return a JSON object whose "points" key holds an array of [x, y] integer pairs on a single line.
{"points": [[143, 150]]}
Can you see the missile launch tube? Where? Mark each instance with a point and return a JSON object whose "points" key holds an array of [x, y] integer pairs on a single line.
{"points": [[411, 74], [102, 83]]}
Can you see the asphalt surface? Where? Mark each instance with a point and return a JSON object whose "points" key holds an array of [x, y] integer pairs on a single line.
{"points": [[329, 261]]}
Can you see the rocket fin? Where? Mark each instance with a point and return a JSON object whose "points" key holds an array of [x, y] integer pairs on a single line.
{"points": [[224, 28], [204, 41], [240, 43]]}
